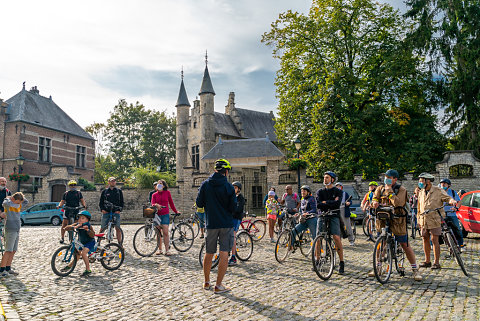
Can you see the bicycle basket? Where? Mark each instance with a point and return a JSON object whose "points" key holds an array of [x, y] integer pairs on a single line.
{"points": [[149, 212]]}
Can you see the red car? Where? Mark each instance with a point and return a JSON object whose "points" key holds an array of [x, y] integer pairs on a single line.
{"points": [[469, 212]]}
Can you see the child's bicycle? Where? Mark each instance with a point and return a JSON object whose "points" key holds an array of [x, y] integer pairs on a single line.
{"points": [[255, 227], [64, 259]]}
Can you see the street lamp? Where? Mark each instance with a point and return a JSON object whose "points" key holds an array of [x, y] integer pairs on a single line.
{"points": [[20, 160], [298, 145]]}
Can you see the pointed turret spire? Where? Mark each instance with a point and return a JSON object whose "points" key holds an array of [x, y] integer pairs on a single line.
{"points": [[182, 95], [207, 87]]}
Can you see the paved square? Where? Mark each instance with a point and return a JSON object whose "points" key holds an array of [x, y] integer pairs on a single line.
{"points": [[169, 288]]}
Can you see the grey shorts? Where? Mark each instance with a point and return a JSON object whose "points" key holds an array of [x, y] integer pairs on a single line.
{"points": [[11, 240], [334, 224], [222, 236]]}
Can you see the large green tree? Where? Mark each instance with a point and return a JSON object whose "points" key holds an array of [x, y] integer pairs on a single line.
{"points": [[353, 90], [447, 31]]}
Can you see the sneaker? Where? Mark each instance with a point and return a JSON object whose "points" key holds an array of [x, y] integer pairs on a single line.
{"points": [[202, 236], [272, 240], [352, 243], [341, 269], [436, 266], [4, 274], [232, 261], [371, 274], [416, 275], [220, 289], [86, 273], [425, 264], [12, 272], [207, 286], [62, 241]]}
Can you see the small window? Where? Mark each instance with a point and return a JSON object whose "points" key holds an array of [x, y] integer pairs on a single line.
{"points": [[44, 149], [476, 200], [194, 124], [466, 200], [257, 197], [37, 181], [196, 157], [80, 156]]}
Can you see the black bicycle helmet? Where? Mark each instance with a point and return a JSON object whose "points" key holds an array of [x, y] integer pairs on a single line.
{"points": [[331, 174], [222, 164], [237, 184], [307, 188], [446, 180], [392, 173]]}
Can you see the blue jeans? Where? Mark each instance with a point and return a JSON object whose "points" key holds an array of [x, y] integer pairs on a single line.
{"points": [[201, 217], [311, 224], [455, 225]]}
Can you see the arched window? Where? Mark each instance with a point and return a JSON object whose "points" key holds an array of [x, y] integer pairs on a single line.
{"points": [[461, 170]]}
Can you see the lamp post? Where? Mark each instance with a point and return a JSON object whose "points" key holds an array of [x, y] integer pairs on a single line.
{"points": [[20, 160], [298, 145]]}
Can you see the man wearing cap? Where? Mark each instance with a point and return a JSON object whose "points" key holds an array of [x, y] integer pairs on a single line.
{"points": [[431, 197], [345, 213], [393, 194], [451, 219], [115, 196], [328, 199]]}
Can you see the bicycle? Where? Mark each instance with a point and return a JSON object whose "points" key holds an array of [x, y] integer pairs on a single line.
{"points": [[288, 242], [146, 239], [72, 217], [244, 249], [413, 224], [256, 228], [370, 225], [111, 256], [387, 250], [449, 239], [196, 222], [111, 227], [323, 255]]}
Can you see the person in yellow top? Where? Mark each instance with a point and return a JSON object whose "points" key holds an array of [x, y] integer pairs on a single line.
{"points": [[200, 212], [431, 197], [393, 194], [272, 207]]}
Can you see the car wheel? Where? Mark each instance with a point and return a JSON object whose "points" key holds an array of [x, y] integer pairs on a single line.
{"points": [[464, 232], [56, 220]]}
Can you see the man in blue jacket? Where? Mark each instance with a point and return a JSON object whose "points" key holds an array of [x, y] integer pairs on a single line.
{"points": [[218, 198]]}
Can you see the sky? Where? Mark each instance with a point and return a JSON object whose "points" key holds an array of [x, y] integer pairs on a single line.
{"points": [[87, 55]]}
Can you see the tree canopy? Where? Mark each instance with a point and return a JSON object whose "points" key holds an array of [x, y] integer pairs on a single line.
{"points": [[351, 87]]}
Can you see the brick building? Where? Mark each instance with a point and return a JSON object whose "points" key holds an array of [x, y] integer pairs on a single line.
{"points": [[35, 128]]}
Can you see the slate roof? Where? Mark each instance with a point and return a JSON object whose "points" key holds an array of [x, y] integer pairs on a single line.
{"points": [[256, 123], [243, 148], [224, 125], [182, 96], [207, 86], [32, 108]]}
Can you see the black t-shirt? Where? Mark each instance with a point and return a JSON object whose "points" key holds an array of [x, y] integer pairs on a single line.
{"points": [[112, 195], [3, 194], [328, 195], [72, 198], [238, 212]]}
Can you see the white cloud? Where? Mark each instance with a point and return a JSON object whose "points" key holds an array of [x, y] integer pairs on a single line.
{"points": [[73, 51]]}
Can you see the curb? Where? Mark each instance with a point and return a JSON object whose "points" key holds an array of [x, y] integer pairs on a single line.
{"points": [[7, 312]]}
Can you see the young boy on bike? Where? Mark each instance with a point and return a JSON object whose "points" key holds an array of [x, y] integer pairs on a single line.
{"points": [[71, 198], [12, 206], [86, 236]]}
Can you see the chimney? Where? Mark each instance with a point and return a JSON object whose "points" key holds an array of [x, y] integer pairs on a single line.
{"points": [[231, 104], [34, 90]]}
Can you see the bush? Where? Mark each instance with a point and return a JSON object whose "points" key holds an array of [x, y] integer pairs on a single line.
{"points": [[87, 186], [145, 177]]}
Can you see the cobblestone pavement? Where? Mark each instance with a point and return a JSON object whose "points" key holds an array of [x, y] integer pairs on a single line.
{"points": [[162, 288]]}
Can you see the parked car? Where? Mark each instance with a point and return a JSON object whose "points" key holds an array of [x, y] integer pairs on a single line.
{"points": [[355, 206], [42, 213], [469, 212]]}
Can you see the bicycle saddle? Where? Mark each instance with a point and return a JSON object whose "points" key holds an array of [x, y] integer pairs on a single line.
{"points": [[100, 235]]}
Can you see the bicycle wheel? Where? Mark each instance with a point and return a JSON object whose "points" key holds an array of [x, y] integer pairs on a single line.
{"points": [[145, 241], [372, 230], [382, 260], [364, 225], [112, 256], [61, 259], [305, 240], [182, 237], [354, 228], [399, 259], [70, 233], [215, 258], [277, 229], [111, 235], [257, 230], [244, 245], [456, 252], [196, 227], [284, 246], [322, 258]]}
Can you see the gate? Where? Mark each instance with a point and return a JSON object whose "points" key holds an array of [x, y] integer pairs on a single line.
{"points": [[254, 189]]}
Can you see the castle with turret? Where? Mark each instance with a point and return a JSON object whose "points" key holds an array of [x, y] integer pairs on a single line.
{"points": [[245, 137]]}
